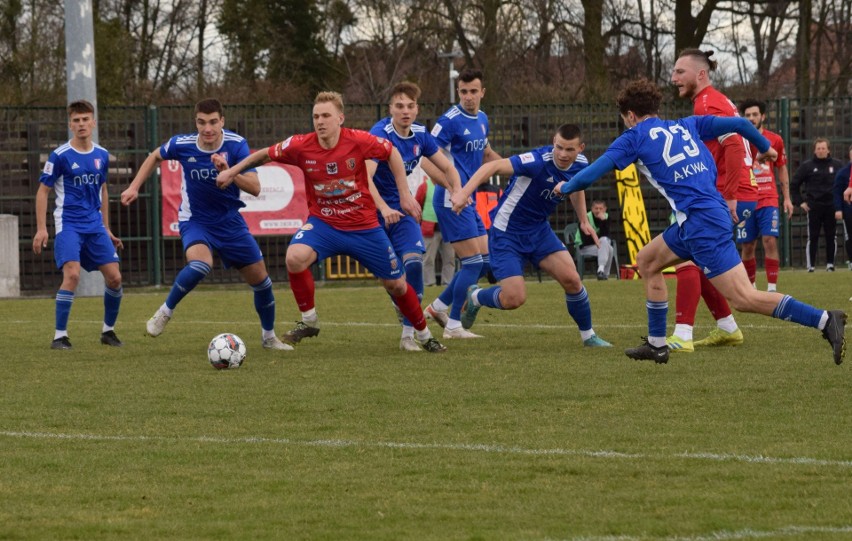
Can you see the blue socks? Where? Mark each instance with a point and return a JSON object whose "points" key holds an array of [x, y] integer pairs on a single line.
{"points": [[657, 312], [789, 309], [186, 280], [64, 300], [413, 264], [490, 297], [580, 309], [486, 265], [264, 303], [464, 278], [112, 302]]}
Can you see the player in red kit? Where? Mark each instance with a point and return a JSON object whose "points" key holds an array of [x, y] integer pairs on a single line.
{"points": [[343, 219], [765, 221], [691, 76]]}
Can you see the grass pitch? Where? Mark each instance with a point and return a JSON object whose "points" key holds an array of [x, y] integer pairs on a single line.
{"points": [[521, 435]]}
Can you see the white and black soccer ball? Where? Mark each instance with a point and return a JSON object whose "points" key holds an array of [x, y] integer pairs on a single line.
{"points": [[226, 351]]}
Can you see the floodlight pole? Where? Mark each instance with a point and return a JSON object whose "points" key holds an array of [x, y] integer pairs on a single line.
{"points": [[80, 84], [451, 57]]}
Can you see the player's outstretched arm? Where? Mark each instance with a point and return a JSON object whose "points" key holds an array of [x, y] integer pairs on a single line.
{"points": [[710, 127], [587, 176], [247, 182], [130, 194], [229, 175], [41, 236], [451, 179], [503, 166]]}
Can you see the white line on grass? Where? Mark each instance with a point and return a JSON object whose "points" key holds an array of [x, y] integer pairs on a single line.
{"points": [[475, 447], [725, 535]]}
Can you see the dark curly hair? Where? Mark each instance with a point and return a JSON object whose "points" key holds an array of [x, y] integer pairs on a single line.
{"points": [[640, 96]]}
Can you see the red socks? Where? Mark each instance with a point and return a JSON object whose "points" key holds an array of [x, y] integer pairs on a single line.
{"points": [[688, 294], [771, 270], [717, 304], [302, 285], [409, 305], [751, 268]]}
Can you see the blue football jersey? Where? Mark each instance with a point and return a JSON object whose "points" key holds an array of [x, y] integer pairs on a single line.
{"points": [[418, 144], [465, 137], [201, 200], [673, 158], [77, 178], [529, 198]]}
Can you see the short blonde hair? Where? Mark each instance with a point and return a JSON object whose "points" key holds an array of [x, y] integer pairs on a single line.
{"points": [[330, 97]]}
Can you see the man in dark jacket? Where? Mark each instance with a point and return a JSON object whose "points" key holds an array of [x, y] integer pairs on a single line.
{"points": [[843, 209], [817, 176]]}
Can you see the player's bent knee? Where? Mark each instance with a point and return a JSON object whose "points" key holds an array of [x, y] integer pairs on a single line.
{"points": [[512, 300], [113, 281], [396, 287]]}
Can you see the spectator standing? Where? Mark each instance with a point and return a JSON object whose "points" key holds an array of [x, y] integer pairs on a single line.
{"points": [[817, 177]]}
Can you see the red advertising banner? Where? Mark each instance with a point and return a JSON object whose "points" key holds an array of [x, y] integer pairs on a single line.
{"points": [[280, 209]]}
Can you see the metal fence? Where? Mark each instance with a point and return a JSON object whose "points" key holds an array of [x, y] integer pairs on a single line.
{"points": [[28, 135]]}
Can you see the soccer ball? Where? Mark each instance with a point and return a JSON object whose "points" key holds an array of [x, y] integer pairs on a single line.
{"points": [[226, 351]]}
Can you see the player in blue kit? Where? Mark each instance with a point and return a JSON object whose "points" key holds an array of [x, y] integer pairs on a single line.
{"points": [[414, 143], [463, 133], [77, 171], [520, 230], [209, 217], [672, 157]]}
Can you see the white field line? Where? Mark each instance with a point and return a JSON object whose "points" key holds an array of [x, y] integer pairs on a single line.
{"points": [[725, 535], [468, 447]]}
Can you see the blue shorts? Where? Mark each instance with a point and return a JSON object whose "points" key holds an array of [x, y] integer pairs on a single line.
{"points": [[91, 249], [510, 251], [763, 223], [231, 240], [405, 236], [370, 247], [705, 239], [745, 211], [458, 227]]}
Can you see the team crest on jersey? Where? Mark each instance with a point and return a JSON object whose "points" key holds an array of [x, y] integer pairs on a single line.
{"points": [[350, 163], [224, 155], [416, 150], [484, 131], [97, 163], [331, 168]]}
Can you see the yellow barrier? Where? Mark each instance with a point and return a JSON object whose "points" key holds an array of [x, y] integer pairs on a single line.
{"points": [[636, 231], [343, 266]]}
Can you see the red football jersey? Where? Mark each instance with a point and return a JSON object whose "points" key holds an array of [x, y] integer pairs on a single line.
{"points": [[336, 179], [764, 173], [740, 186]]}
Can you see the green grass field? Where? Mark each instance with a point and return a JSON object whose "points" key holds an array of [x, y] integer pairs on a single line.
{"points": [[522, 435]]}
